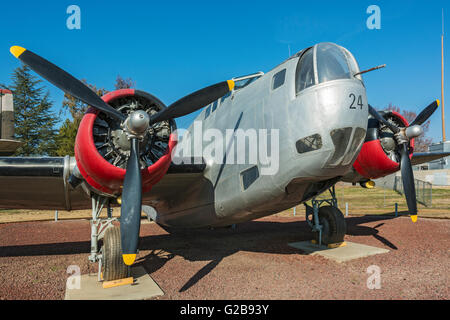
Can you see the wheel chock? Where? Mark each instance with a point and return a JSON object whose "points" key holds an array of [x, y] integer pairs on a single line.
{"points": [[337, 245], [117, 283], [332, 245]]}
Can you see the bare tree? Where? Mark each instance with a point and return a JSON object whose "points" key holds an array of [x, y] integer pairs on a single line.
{"points": [[122, 83]]}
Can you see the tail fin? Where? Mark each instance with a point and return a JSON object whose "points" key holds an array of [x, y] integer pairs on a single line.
{"points": [[7, 143]]}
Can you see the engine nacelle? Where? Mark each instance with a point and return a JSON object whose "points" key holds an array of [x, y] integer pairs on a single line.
{"points": [[379, 155], [102, 147]]}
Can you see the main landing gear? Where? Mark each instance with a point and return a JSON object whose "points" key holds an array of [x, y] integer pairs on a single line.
{"points": [[109, 258], [327, 221]]}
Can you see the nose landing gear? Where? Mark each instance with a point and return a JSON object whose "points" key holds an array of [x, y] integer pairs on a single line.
{"points": [[327, 222], [109, 258]]}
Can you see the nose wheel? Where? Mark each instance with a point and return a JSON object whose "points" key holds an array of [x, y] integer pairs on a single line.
{"points": [[113, 267], [109, 257], [326, 221]]}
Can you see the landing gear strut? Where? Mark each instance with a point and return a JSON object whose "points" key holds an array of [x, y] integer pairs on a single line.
{"points": [[109, 258], [327, 222]]}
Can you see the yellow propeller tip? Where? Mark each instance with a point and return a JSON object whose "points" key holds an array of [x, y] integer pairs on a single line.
{"points": [[128, 259], [17, 51], [414, 218], [438, 102], [230, 84]]}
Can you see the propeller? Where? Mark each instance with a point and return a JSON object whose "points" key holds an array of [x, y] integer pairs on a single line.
{"points": [[135, 126], [64, 81], [403, 135]]}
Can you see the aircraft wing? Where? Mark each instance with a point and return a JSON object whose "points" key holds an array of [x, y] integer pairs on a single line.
{"points": [[424, 157], [42, 183], [178, 178]]}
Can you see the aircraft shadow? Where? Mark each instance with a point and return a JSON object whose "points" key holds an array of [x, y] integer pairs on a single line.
{"points": [[211, 245]]}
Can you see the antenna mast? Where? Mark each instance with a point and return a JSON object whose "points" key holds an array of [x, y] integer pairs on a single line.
{"points": [[442, 78]]}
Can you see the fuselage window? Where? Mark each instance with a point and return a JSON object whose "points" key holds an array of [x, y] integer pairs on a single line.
{"points": [[225, 96], [214, 106], [278, 79], [207, 112], [249, 176], [304, 75]]}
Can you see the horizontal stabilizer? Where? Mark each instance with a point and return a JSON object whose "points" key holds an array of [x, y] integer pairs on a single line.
{"points": [[8, 147]]}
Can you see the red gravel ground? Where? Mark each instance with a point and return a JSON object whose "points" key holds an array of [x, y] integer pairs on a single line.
{"points": [[252, 261]]}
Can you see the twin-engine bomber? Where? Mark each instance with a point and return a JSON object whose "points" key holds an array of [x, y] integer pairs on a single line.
{"points": [[315, 104]]}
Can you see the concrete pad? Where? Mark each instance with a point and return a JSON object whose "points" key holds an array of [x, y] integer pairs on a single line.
{"points": [[342, 254], [90, 289]]}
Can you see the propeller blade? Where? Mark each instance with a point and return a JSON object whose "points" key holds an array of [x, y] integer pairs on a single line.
{"points": [[64, 81], [408, 181], [130, 212], [426, 113], [193, 101], [380, 118]]}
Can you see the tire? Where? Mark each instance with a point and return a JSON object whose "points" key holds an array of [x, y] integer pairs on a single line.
{"points": [[333, 224], [113, 267]]}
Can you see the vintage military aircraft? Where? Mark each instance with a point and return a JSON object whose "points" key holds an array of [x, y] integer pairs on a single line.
{"points": [[315, 102]]}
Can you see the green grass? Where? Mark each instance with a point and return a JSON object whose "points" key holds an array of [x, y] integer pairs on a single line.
{"points": [[382, 201]]}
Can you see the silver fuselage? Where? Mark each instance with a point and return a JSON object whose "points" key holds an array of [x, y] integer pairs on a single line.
{"points": [[219, 199]]}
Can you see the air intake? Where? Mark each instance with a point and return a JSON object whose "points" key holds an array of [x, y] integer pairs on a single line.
{"points": [[341, 139]]}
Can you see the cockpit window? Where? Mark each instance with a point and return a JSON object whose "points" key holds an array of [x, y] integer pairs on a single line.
{"points": [[304, 75], [243, 83], [354, 68], [331, 63]]}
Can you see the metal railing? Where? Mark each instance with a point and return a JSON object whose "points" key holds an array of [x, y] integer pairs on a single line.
{"points": [[424, 190]]}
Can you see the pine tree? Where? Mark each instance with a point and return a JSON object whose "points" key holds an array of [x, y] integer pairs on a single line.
{"points": [[34, 120]]}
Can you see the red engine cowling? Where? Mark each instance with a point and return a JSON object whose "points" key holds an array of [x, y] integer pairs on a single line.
{"points": [[373, 160], [106, 176]]}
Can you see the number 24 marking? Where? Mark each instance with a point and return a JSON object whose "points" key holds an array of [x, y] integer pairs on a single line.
{"points": [[359, 103]]}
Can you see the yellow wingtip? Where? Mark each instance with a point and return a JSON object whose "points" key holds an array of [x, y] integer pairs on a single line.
{"points": [[17, 51], [438, 102], [414, 218], [230, 84], [128, 259]]}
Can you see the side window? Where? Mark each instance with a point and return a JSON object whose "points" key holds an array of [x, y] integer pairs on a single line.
{"points": [[304, 75], [214, 106], [278, 79], [225, 96], [249, 176], [207, 112]]}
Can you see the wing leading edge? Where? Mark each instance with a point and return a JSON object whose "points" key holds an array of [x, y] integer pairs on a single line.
{"points": [[424, 157]]}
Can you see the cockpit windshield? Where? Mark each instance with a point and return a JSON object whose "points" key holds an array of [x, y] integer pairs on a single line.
{"points": [[331, 63], [325, 62], [305, 71]]}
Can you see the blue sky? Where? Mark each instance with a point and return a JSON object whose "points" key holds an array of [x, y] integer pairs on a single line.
{"points": [[172, 48]]}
